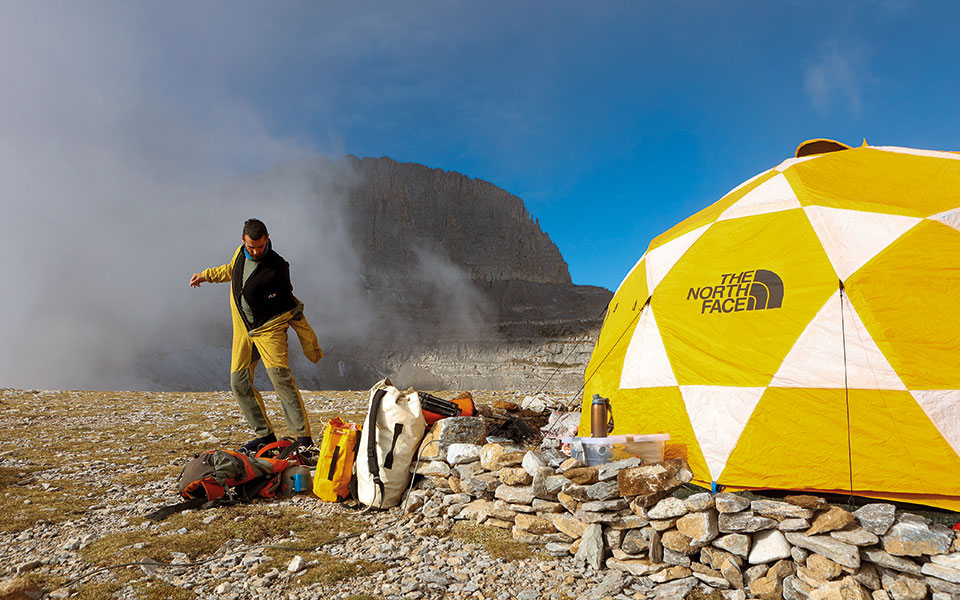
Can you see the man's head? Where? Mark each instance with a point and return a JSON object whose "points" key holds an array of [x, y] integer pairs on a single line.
{"points": [[255, 238]]}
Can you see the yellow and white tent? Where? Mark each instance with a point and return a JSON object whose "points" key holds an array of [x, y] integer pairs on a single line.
{"points": [[803, 332]]}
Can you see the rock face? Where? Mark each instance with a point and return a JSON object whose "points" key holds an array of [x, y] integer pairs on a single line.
{"points": [[438, 280]]}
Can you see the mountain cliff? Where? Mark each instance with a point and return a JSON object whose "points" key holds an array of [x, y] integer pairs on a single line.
{"points": [[433, 278]]}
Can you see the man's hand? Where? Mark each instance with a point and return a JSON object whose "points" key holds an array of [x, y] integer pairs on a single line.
{"points": [[196, 280]]}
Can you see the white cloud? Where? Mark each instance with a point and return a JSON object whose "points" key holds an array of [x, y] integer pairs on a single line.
{"points": [[837, 76]]}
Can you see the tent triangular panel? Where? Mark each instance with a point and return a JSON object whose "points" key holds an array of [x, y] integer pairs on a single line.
{"points": [[661, 259], [645, 364], [836, 352], [851, 238], [950, 217], [718, 415], [772, 195], [793, 161], [943, 408]]}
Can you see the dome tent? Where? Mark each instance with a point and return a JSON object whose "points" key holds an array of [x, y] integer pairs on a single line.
{"points": [[803, 332]]}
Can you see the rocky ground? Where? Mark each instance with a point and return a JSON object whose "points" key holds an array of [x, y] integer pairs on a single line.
{"points": [[79, 471]]}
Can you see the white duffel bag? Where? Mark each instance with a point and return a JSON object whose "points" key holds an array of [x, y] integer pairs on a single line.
{"points": [[392, 432]]}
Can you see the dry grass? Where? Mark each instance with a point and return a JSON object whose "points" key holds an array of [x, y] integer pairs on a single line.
{"points": [[25, 502], [497, 542]]}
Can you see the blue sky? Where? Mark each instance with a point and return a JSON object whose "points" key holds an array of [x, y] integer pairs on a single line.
{"points": [[612, 121]]}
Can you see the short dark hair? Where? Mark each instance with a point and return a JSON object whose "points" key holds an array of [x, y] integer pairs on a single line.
{"points": [[254, 229]]}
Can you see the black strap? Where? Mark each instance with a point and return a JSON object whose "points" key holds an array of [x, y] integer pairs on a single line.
{"points": [[333, 463], [388, 459], [372, 464], [166, 511]]}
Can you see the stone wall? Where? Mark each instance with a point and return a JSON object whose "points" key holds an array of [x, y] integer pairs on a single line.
{"points": [[625, 516]]}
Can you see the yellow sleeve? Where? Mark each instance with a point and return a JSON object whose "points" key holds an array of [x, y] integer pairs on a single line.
{"points": [[222, 273], [218, 274]]}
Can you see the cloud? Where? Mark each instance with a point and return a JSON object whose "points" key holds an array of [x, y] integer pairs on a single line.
{"points": [[136, 141], [837, 76]]}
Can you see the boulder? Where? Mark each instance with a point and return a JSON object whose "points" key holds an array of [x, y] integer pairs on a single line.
{"points": [[951, 560], [780, 510], [568, 524], [767, 588], [663, 524], [604, 505], [434, 468], [909, 537], [794, 589], [830, 520], [668, 508], [533, 524], [751, 574], [605, 490], [857, 536], [876, 518], [727, 502], [845, 589], [730, 569], [461, 454], [567, 501], [546, 485], [822, 568], [768, 546], [514, 476], [678, 542], [714, 557], [711, 577], [941, 572], [596, 517], [452, 430], [610, 470], [494, 457], [582, 475], [743, 522], [545, 506], [629, 521], [480, 486], [699, 502], [835, 550], [906, 587], [735, 543], [868, 576], [590, 550], [889, 561], [675, 589], [675, 558], [653, 481], [794, 525], [533, 461], [515, 494], [701, 527], [637, 541], [634, 566], [671, 574], [813, 503]]}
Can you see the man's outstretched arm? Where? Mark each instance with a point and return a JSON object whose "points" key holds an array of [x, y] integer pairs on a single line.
{"points": [[214, 275]]}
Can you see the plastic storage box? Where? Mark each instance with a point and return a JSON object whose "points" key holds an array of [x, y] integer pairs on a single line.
{"points": [[595, 451]]}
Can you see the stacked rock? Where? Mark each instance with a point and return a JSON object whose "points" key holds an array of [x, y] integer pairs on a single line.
{"points": [[622, 515]]}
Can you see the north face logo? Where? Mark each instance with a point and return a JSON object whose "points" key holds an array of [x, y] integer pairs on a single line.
{"points": [[748, 290]]}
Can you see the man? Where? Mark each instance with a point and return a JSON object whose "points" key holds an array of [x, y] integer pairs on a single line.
{"points": [[263, 306]]}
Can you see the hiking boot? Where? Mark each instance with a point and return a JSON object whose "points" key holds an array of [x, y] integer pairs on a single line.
{"points": [[305, 441], [253, 445]]}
